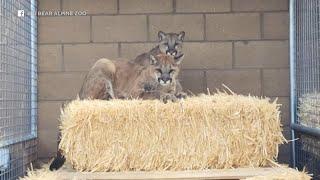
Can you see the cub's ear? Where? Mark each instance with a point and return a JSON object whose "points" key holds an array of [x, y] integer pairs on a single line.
{"points": [[161, 35], [153, 60], [178, 59], [181, 35]]}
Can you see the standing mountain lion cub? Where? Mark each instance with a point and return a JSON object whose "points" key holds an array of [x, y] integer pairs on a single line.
{"points": [[169, 43], [109, 79]]}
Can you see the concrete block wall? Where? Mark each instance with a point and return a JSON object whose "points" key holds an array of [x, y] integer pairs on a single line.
{"points": [[240, 43]]}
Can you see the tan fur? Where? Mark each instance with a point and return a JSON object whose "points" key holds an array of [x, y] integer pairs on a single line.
{"points": [[97, 82], [109, 79]]}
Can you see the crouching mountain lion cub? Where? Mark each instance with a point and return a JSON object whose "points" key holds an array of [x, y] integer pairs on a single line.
{"points": [[109, 79]]}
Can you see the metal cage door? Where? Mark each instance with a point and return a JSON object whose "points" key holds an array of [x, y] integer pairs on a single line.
{"points": [[18, 86], [305, 84]]}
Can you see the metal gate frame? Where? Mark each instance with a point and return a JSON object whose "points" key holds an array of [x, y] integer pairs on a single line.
{"points": [[297, 127], [292, 79], [19, 149], [33, 37]]}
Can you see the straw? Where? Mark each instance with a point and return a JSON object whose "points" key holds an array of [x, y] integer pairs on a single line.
{"points": [[201, 132]]}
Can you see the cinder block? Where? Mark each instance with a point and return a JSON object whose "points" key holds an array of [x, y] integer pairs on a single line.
{"points": [[239, 81], [286, 132], [192, 81], [132, 50], [64, 29], [59, 86], [192, 24], [207, 55], [145, 6], [203, 5], [285, 110], [125, 28], [49, 5], [48, 121], [259, 5], [81, 57], [47, 146], [276, 82], [91, 6], [284, 153], [262, 54], [284, 149], [48, 115], [233, 26], [49, 58], [276, 25]]}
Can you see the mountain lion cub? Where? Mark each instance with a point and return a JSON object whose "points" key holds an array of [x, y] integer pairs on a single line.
{"points": [[109, 79], [169, 43]]}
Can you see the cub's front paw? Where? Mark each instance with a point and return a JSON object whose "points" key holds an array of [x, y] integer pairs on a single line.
{"points": [[168, 97], [181, 95], [123, 96], [148, 87]]}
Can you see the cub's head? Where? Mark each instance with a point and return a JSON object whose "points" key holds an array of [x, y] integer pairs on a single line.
{"points": [[165, 68], [171, 43]]}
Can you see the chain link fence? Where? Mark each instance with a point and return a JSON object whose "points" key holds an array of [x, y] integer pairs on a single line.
{"points": [[305, 84], [18, 86]]}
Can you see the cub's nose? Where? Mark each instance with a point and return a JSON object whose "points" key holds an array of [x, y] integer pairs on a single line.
{"points": [[171, 52], [166, 80]]}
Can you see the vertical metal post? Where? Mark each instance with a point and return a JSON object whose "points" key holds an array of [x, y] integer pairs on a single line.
{"points": [[292, 79], [34, 71]]}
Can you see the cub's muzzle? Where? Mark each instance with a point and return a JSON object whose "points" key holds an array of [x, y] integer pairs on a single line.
{"points": [[165, 80], [171, 52]]}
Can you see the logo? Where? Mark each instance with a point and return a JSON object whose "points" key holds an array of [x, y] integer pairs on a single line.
{"points": [[20, 13]]}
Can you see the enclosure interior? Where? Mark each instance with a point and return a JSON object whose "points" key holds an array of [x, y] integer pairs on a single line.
{"points": [[240, 43]]}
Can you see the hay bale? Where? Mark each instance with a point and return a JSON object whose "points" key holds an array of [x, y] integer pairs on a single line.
{"points": [[41, 174], [205, 132], [308, 110]]}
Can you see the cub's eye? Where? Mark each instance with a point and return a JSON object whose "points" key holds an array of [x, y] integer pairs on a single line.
{"points": [[159, 71], [165, 46], [171, 71]]}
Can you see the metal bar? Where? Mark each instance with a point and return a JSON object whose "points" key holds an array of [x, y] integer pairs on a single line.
{"points": [[33, 69], [292, 78], [14, 141], [306, 130]]}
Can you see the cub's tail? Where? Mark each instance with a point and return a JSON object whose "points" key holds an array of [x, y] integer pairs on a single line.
{"points": [[57, 162]]}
